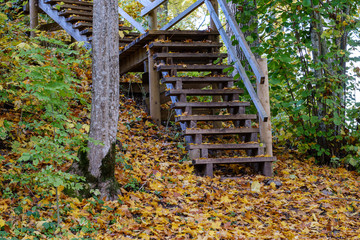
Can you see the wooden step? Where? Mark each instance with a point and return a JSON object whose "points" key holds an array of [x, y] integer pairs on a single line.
{"points": [[74, 19], [89, 31], [210, 104], [233, 160], [196, 80], [220, 131], [240, 146], [192, 68], [203, 92], [82, 25], [207, 56], [185, 46], [234, 117], [73, 7], [76, 2], [66, 13]]}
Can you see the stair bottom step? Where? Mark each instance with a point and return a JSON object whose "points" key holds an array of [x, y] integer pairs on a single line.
{"points": [[232, 160]]}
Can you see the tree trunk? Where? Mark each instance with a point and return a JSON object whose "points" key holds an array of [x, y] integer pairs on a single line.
{"points": [[98, 165]]}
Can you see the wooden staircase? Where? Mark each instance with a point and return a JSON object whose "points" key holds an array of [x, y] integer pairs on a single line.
{"points": [[76, 18], [215, 124]]}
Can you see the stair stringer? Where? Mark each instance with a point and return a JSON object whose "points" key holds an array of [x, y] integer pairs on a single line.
{"points": [[68, 27]]}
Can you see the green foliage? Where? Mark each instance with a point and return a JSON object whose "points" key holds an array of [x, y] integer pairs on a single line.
{"points": [[39, 88], [307, 44]]}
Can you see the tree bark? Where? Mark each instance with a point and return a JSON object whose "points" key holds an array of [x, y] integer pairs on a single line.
{"points": [[105, 97]]}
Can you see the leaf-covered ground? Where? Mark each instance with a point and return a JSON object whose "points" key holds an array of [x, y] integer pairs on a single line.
{"points": [[163, 199]]}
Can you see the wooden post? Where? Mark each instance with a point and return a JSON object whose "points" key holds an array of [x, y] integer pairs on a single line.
{"points": [[154, 86], [265, 127], [34, 21], [152, 19], [154, 90], [216, 8]]}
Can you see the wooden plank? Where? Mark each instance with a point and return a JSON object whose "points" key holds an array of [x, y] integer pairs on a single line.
{"points": [[82, 25], [209, 104], [151, 7], [89, 31], [233, 160], [74, 7], [224, 146], [202, 92], [262, 113], [197, 79], [76, 2], [190, 55], [260, 76], [192, 67], [65, 13], [220, 131], [196, 45], [133, 61], [73, 19], [132, 21], [182, 15], [63, 23], [216, 117]]}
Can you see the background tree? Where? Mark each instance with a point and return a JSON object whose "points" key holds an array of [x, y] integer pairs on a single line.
{"points": [[308, 45]]}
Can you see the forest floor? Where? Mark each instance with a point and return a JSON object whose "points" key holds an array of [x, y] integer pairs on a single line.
{"points": [[162, 198]]}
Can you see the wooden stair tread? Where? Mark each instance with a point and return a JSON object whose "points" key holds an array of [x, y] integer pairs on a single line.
{"points": [[184, 67], [74, 19], [225, 146], [196, 79], [76, 2], [216, 117], [190, 55], [196, 92], [82, 25], [209, 104], [65, 13], [73, 7], [232, 160], [220, 131], [185, 45], [89, 31]]}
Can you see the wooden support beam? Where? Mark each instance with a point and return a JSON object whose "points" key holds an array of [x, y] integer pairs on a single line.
{"points": [[151, 7], [152, 18], [183, 15], [265, 127], [154, 91], [240, 69], [132, 21], [260, 76], [47, 8], [34, 18]]}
